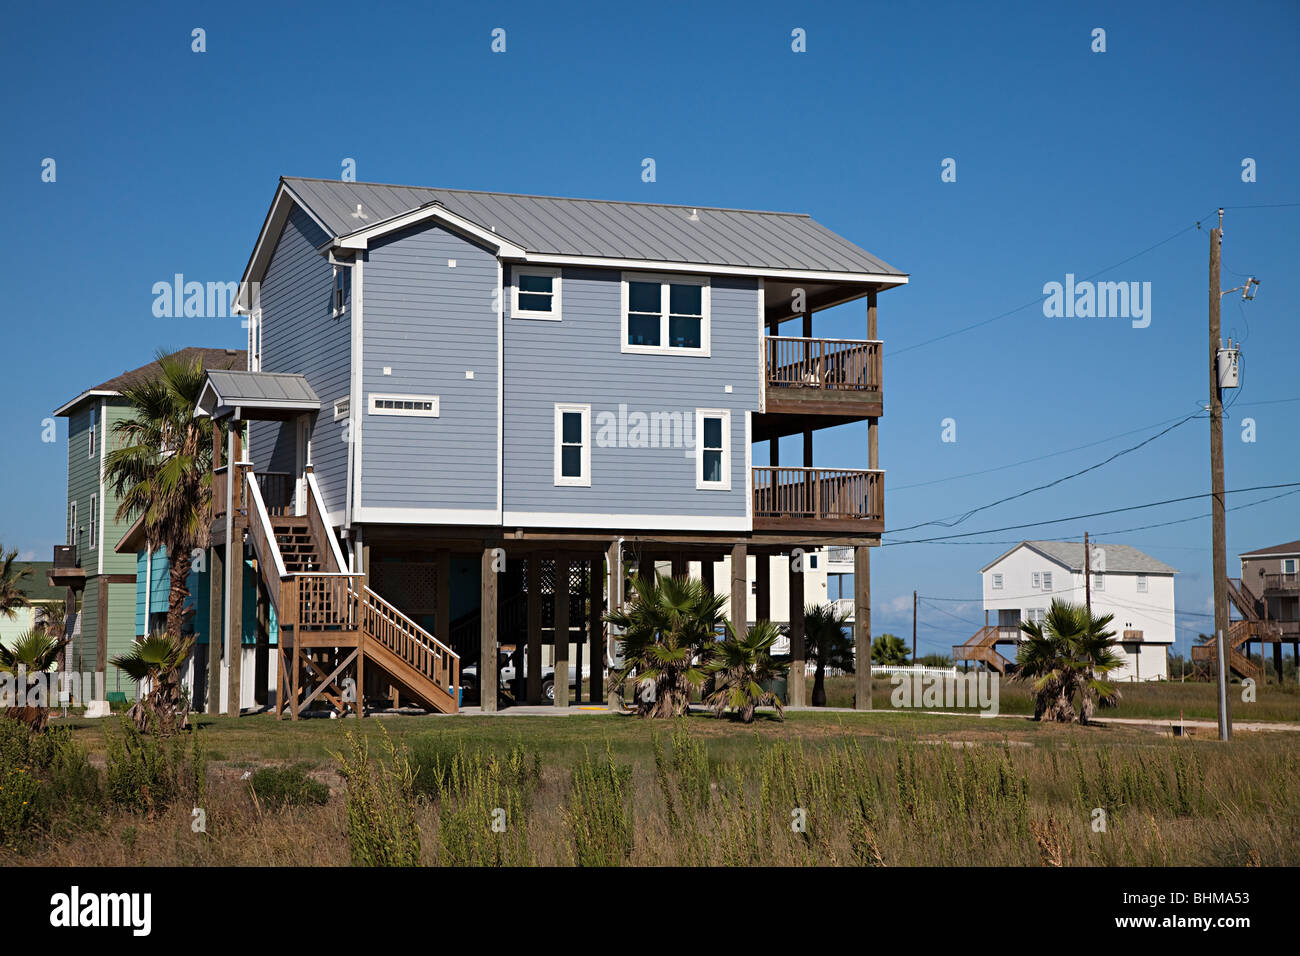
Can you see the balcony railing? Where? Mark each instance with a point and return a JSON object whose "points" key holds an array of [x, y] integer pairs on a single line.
{"points": [[839, 365], [818, 497], [1286, 581]]}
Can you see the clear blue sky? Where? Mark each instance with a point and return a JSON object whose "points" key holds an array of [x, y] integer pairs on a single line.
{"points": [[1068, 161]]}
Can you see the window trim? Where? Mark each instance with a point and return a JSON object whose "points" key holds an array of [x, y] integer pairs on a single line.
{"points": [[725, 415], [996, 582], [1047, 580], [1035, 580], [93, 433], [94, 521], [339, 290], [73, 533], [666, 280], [1098, 581], [557, 292], [568, 481], [376, 397], [1142, 584], [1291, 562], [343, 408]]}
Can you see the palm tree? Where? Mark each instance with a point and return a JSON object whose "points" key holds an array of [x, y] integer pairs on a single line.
{"points": [[12, 596], [827, 644], [888, 650], [1068, 655], [34, 652], [162, 468], [741, 667], [669, 628], [154, 663]]}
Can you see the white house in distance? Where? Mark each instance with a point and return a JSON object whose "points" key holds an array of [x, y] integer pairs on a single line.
{"points": [[1136, 588]]}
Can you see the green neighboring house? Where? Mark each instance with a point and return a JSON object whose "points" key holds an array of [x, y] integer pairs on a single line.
{"points": [[89, 563], [40, 594]]}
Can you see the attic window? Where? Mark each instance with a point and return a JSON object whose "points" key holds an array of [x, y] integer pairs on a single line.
{"points": [[341, 408], [417, 406]]}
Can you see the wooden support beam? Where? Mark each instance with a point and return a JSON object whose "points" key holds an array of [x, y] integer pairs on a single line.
{"points": [[614, 561], [101, 626], [596, 630], [261, 650], [739, 587], [795, 682], [645, 568], [862, 626], [534, 585], [707, 573], [296, 697], [488, 672], [762, 588], [216, 586], [561, 631], [235, 625], [442, 598], [681, 567], [808, 448]]}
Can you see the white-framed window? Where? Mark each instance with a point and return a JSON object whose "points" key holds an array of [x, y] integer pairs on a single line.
{"points": [[255, 340], [1142, 584], [342, 406], [1036, 615], [573, 445], [415, 406], [1288, 565], [72, 523], [997, 582], [713, 449], [94, 520], [339, 293], [1099, 582], [1047, 580], [94, 427], [1035, 579], [535, 293], [665, 314]]}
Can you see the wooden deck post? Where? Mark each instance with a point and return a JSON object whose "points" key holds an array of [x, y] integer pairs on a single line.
{"points": [[707, 575], [681, 567], [596, 630], [216, 628], [645, 567], [739, 587], [614, 559], [862, 626], [534, 668], [488, 672], [561, 632], [795, 683], [235, 624], [762, 588]]}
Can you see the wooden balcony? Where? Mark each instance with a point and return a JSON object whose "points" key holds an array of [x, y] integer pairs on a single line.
{"points": [[1285, 583], [840, 377], [819, 499]]}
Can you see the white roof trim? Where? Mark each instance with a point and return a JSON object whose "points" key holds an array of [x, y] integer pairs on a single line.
{"points": [[89, 393], [262, 250], [660, 265], [361, 239], [1025, 544]]}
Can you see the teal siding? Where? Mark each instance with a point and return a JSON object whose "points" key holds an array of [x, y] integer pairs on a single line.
{"points": [[200, 589], [160, 587]]}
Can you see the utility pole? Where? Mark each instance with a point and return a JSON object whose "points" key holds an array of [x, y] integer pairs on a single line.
{"points": [[1087, 575], [914, 633], [1218, 512]]}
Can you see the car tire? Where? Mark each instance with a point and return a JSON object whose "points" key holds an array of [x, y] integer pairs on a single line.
{"points": [[548, 689]]}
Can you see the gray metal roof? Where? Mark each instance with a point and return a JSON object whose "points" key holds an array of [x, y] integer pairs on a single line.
{"points": [[276, 392], [602, 228], [1119, 558]]}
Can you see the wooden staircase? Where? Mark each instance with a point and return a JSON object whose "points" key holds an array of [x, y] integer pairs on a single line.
{"points": [[331, 626], [1252, 627], [981, 646]]}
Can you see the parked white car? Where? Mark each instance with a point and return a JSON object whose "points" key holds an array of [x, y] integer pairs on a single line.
{"points": [[506, 676]]}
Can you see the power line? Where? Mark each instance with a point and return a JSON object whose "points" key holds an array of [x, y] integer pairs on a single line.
{"points": [[1050, 484], [1094, 514], [1038, 301]]}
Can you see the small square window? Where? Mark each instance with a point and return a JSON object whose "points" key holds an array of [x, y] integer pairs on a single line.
{"points": [[536, 294]]}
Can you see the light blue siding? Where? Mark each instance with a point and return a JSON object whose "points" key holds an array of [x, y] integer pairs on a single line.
{"points": [[430, 323], [160, 586], [300, 335], [579, 359]]}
